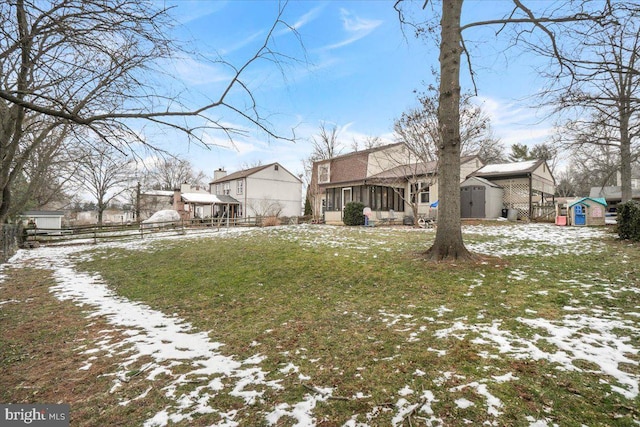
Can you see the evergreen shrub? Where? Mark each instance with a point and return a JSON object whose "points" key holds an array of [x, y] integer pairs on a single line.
{"points": [[353, 214], [628, 218]]}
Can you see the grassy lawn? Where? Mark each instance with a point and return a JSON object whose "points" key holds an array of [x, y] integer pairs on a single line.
{"points": [[351, 327]]}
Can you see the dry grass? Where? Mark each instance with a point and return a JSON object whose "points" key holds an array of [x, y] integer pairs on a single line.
{"points": [[41, 344]]}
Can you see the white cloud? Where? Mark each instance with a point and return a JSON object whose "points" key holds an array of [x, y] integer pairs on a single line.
{"points": [[192, 10], [514, 123], [196, 72], [238, 145], [242, 43], [356, 27], [307, 17], [355, 24]]}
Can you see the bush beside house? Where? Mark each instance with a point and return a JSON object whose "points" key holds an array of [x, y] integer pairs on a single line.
{"points": [[353, 214]]}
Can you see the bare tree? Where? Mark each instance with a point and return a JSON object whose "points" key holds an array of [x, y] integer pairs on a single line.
{"points": [[95, 64], [448, 243], [266, 207], [104, 172], [367, 143], [325, 144], [603, 90], [418, 129], [168, 173], [593, 165], [251, 165], [43, 175]]}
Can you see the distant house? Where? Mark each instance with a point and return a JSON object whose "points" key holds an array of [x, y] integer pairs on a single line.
{"points": [[45, 220], [190, 201], [612, 194], [268, 190], [193, 201], [205, 205], [386, 178], [528, 187], [109, 216]]}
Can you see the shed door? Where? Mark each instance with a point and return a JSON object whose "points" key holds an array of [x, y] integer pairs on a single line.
{"points": [[472, 201], [580, 215]]}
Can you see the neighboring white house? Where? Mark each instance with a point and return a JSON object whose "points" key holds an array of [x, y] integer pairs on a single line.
{"points": [[109, 216], [269, 190]]}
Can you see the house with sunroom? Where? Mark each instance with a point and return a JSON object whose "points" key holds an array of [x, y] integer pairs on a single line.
{"points": [[266, 190], [388, 179]]}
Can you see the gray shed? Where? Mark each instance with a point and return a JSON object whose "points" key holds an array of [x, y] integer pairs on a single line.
{"points": [[480, 198]]}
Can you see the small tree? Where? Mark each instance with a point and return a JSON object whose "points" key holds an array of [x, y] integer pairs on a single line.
{"points": [[307, 207]]}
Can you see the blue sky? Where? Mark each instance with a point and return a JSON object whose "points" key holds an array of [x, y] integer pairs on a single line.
{"points": [[355, 68]]}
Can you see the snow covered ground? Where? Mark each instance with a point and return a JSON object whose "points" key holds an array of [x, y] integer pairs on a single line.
{"points": [[604, 338]]}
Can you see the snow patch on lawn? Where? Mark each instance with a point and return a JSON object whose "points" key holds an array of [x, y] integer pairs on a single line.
{"points": [[168, 341]]}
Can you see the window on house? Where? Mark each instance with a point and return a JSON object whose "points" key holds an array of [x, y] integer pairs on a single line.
{"points": [[227, 188], [424, 195], [276, 167], [218, 189], [239, 187], [334, 199], [329, 199], [323, 173]]}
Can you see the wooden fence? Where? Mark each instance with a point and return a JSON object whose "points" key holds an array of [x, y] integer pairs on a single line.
{"points": [[9, 241], [111, 232]]}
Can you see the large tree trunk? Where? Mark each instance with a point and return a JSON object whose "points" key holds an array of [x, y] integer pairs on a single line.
{"points": [[448, 243], [625, 157]]}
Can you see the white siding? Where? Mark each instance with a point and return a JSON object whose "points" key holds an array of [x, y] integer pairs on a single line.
{"points": [[271, 189], [469, 167], [389, 158], [543, 180], [54, 223]]}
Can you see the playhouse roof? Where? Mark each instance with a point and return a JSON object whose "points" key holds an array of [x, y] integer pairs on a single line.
{"points": [[583, 200]]}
